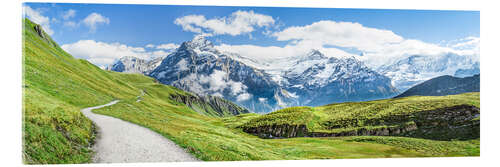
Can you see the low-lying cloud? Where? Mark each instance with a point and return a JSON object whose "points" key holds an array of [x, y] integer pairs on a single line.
{"points": [[102, 54]]}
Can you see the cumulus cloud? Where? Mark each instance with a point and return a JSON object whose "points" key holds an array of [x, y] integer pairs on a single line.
{"points": [[150, 46], [93, 20], [101, 53], [69, 14], [239, 22], [168, 46], [37, 17], [339, 39], [343, 34]]}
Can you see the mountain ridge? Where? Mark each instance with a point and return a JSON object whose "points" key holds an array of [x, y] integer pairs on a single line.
{"points": [[444, 85]]}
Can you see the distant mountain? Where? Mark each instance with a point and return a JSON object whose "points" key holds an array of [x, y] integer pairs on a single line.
{"points": [[129, 64], [411, 70], [444, 85], [318, 80]]}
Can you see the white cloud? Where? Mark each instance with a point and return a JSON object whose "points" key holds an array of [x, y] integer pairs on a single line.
{"points": [[217, 83], [168, 46], [262, 99], [466, 43], [335, 39], [243, 97], [101, 53], [69, 14], [150, 46], [239, 22], [160, 53], [269, 53], [37, 17], [93, 20], [182, 65], [343, 34]]}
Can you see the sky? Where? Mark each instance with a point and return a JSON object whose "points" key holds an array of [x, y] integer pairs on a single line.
{"points": [[101, 33]]}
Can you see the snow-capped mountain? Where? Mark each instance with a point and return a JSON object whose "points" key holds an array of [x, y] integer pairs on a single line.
{"points": [[314, 79], [411, 70], [318, 80], [129, 64], [265, 85], [198, 67]]}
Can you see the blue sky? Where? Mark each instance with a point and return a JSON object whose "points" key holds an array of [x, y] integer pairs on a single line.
{"points": [[140, 25]]}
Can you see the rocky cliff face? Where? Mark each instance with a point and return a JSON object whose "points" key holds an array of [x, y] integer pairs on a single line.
{"points": [[209, 105], [457, 122]]}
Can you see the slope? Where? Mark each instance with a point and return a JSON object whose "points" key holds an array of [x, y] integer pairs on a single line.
{"points": [[56, 86]]}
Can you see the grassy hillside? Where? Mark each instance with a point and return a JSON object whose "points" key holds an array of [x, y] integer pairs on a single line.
{"points": [[57, 86], [375, 117]]}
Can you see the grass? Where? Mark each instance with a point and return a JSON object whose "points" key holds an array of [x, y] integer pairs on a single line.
{"points": [[288, 116], [354, 115], [56, 86], [216, 139], [430, 147]]}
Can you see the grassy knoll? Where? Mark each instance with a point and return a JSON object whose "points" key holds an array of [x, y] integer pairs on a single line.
{"points": [[368, 115]]}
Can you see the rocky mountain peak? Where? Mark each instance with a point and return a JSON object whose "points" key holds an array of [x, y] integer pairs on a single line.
{"points": [[198, 42]]}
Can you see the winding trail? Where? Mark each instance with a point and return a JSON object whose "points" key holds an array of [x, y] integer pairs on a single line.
{"points": [[119, 141]]}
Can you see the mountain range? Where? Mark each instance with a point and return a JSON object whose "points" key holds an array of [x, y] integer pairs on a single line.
{"points": [[414, 69], [263, 86]]}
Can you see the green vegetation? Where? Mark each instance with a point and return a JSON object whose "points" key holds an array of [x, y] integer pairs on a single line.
{"points": [[56, 86], [378, 114], [213, 138], [430, 147], [287, 116]]}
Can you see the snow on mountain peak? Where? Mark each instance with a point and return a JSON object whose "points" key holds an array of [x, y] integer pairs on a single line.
{"points": [[199, 42]]}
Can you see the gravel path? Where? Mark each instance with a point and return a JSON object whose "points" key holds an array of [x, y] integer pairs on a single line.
{"points": [[119, 141]]}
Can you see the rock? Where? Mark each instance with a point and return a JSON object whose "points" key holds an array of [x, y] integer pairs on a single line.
{"points": [[207, 103]]}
